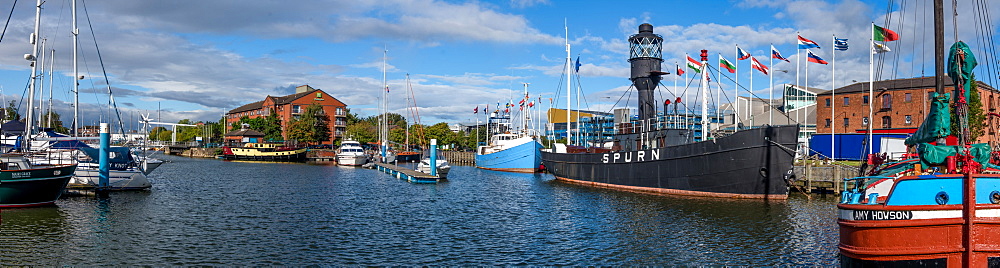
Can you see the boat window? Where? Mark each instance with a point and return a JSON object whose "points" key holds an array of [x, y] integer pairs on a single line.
{"points": [[11, 166]]}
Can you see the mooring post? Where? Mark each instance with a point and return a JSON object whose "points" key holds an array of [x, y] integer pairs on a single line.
{"points": [[434, 149], [104, 166]]}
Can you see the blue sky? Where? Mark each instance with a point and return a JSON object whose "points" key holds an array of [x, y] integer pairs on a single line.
{"points": [[197, 59]]}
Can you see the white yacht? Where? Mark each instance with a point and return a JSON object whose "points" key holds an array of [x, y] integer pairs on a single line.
{"points": [[351, 153], [442, 166]]}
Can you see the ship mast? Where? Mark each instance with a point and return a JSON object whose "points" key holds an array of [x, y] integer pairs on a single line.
{"points": [[33, 57], [704, 93], [569, 90]]}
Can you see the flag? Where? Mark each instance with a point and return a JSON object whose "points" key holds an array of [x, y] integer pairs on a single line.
{"points": [[577, 64], [521, 102], [679, 71], [879, 48], [756, 65], [694, 65], [814, 58], [883, 34], [741, 54], [531, 104], [506, 110], [487, 109], [806, 43], [476, 111], [726, 64], [386, 88], [776, 55], [840, 44]]}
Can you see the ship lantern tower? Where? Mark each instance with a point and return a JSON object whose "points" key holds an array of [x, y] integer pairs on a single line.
{"points": [[646, 55]]}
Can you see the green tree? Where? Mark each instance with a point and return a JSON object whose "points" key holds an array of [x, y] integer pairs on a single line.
{"points": [[361, 131], [313, 126], [270, 125], [11, 112], [154, 134], [442, 133], [165, 135], [56, 124]]}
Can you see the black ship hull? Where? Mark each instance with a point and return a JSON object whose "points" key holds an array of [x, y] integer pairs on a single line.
{"points": [[750, 163]]}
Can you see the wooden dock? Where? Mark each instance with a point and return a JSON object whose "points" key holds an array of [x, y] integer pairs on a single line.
{"points": [[407, 174], [828, 178], [456, 157]]}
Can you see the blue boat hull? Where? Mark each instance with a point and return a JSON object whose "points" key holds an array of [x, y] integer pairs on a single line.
{"points": [[522, 158]]}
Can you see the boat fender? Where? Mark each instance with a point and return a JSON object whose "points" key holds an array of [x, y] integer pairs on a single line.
{"points": [[995, 197]]}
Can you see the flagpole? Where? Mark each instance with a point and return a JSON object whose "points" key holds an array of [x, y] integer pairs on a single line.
{"points": [[569, 91], [770, 91], [704, 95], [871, 90], [806, 85], [798, 58], [718, 94], [736, 92], [833, 105], [750, 100], [686, 56]]}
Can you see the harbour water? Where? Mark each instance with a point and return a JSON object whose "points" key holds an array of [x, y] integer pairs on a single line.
{"points": [[212, 212]]}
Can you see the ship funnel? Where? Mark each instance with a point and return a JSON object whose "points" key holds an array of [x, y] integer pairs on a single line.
{"points": [[646, 55]]}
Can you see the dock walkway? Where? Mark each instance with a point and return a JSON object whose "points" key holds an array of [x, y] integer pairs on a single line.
{"points": [[407, 174]]}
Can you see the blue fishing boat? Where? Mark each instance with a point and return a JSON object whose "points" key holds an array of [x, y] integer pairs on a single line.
{"points": [[510, 152]]}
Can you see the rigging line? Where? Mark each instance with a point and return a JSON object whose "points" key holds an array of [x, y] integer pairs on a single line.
{"points": [[111, 97], [896, 56], [11, 14], [629, 90], [986, 34], [767, 104]]}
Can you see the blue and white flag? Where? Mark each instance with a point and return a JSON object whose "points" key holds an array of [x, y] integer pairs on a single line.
{"points": [[840, 44]]}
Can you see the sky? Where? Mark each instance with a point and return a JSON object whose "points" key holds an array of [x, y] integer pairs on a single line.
{"points": [[198, 59]]}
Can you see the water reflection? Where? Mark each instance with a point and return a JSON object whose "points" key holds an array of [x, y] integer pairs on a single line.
{"points": [[210, 212]]}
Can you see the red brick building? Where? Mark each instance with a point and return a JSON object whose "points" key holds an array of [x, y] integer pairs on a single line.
{"points": [[291, 106], [899, 106]]}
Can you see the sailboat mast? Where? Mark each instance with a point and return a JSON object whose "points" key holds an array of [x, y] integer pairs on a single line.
{"points": [[385, 93], [569, 90], [76, 78], [28, 125], [52, 62], [524, 113]]}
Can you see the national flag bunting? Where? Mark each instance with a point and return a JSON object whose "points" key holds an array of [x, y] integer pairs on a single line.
{"points": [[741, 54], [756, 65], [776, 55], [726, 64], [476, 111], [531, 104], [694, 65], [806, 43], [679, 70], [840, 44], [883, 34], [814, 58], [879, 48], [577, 64]]}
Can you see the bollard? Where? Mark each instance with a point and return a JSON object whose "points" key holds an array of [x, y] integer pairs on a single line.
{"points": [[433, 162], [104, 179]]}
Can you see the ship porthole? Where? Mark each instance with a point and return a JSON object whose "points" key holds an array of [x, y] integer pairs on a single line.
{"points": [[995, 197], [941, 198]]}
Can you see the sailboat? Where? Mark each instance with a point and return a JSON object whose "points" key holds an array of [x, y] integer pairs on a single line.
{"points": [[127, 168], [940, 209], [23, 184], [648, 156], [506, 151]]}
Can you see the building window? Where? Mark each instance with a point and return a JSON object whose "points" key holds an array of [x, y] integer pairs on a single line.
{"points": [[907, 97], [296, 109], [864, 99], [886, 122], [909, 119], [827, 102], [828, 122], [847, 101], [864, 121], [886, 101], [847, 122], [340, 111]]}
